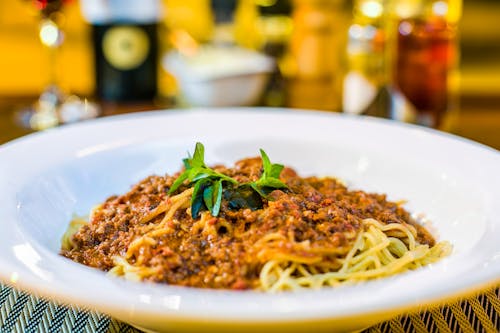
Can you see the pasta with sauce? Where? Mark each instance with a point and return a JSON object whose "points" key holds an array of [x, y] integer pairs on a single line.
{"points": [[301, 232]]}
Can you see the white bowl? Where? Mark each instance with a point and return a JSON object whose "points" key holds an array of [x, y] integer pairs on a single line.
{"points": [[47, 177], [220, 76], [236, 90]]}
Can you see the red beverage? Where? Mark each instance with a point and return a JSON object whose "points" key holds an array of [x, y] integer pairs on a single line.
{"points": [[48, 7], [426, 55]]}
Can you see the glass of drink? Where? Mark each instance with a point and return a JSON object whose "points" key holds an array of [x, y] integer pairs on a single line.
{"points": [[427, 56], [53, 107]]}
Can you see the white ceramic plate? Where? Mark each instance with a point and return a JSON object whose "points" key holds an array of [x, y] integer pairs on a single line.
{"points": [[46, 178]]}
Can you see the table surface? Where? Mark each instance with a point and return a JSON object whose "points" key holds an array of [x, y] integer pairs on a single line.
{"points": [[478, 118], [20, 312]]}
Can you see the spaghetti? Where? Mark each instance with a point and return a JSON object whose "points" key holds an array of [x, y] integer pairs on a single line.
{"points": [[311, 234]]}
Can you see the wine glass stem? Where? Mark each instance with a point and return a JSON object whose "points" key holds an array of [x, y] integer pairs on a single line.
{"points": [[52, 67], [51, 38]]}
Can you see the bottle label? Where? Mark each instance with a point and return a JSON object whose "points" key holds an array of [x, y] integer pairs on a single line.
{"points": [[125, 47]]}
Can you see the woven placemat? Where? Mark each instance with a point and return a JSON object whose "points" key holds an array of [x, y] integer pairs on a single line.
{"points": [[21, 312]]}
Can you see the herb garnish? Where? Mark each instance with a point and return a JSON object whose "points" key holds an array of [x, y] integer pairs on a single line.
{"points": [[269, 179], [208, 183]]}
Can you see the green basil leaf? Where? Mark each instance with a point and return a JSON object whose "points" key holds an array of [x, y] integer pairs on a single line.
{"points": [[276, 170], [222, 176], [266, 163], [217, 197], [193, 172], [197, 198], [201, 175], [198, 159], [208, 183], [258, 189], [227, 178], [187, 163], [178, 182], [271, 182], [208, 196]]}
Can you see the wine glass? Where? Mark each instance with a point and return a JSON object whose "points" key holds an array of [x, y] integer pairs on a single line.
{"points": [[53, 106]]}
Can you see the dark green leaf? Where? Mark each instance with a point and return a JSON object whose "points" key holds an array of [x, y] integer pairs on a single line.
{"points": [[208, 196], [217, 197], [243, 196], [197, 197]]}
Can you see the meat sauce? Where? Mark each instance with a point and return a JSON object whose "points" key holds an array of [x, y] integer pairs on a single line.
{"points": [[321, 211]]}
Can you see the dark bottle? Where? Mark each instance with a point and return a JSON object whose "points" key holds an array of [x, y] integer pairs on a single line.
{"points": [[125, 38], [223, 10], [276, 26], [126, 57], [223, 13]]}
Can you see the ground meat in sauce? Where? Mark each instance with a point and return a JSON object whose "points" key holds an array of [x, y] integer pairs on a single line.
{"points": [[319, 210]]}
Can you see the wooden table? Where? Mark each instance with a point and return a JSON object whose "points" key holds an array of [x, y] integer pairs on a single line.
{"points": [[478, 119]]}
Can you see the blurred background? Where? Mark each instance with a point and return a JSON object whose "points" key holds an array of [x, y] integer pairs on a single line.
{"points": [[431, 62]]}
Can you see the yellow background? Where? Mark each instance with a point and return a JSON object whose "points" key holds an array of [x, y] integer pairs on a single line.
{"points": [[23, 60], [24, 67]]}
